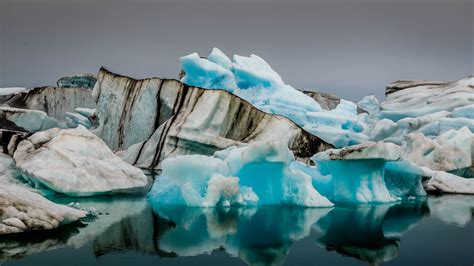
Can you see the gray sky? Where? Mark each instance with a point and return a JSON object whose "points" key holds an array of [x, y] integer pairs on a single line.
{"points": [[350, 48]]}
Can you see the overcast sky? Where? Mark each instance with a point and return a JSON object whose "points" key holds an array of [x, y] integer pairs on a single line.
{"points": [[350, 48]]}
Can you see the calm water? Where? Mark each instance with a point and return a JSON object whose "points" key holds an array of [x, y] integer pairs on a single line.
{"points": [[130, 231]]}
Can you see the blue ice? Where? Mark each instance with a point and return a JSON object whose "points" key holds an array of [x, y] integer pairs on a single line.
{"points": [[254, 80]]}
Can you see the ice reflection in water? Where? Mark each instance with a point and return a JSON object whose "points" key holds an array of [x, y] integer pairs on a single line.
{"points": [[263, 235]]}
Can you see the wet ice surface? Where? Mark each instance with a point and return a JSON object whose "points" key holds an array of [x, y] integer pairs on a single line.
{"points": [[131, 231]]}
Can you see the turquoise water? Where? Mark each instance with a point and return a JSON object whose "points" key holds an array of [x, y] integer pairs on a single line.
{"points": [[438, 230]]}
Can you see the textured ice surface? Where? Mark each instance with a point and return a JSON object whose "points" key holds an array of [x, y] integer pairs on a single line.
{"points": [[448, 183], [370, 104], [29, 120], [75, 162], [404, 179], [267, 174], [77, 81], [449, 151], [253, 79], [369, 172], [24, 210], [258, 174], [75, 119], [356, 173], [415, 99]]}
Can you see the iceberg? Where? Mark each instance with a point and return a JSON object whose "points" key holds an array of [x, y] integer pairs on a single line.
{"points": [[55, 102], [175, 119], [369, 104], [447, 152], [8, 92], [356, 173], [24, 210], [25, 120], [448, 183], [267, 173], [75, 119], [419, 98], [257, 174], [405, 179], [63, 161], [253, 79], [86, 81]]}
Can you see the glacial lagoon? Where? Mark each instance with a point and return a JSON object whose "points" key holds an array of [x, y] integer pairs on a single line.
{"points": [[436, 230]]}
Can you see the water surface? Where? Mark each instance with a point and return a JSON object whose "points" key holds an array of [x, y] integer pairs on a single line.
{"points": [[130, 231]]}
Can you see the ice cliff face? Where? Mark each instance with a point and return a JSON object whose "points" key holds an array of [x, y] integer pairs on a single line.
{"points": [[176, 119]]}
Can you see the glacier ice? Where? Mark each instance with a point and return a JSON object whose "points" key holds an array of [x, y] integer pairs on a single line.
{"points": [[449, 183], [253, 79], [257, 174], [75, 119], [24, 210], [370, 104], [62, 160], [404, 179], [356, 173], [28, 120], [447, 152], [86, 81], [266, 173]]}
